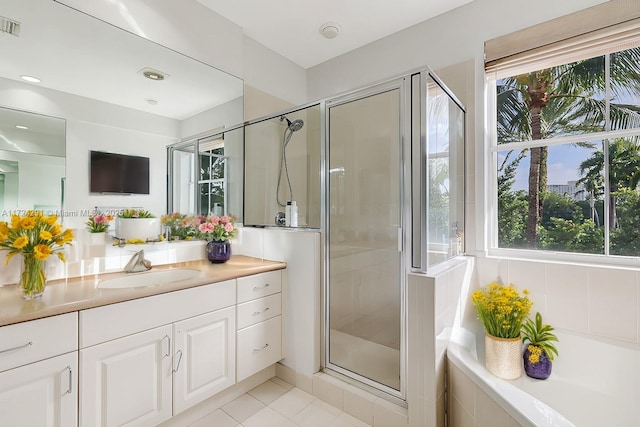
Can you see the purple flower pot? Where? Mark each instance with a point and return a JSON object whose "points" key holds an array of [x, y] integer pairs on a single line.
{"points": [[218, 252], [539, 370]]}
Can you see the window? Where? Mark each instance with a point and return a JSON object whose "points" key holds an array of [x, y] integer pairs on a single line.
{"points": [[212, 181], [565, 155]]}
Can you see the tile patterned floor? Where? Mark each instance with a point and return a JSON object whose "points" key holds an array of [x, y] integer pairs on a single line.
{"points": [[276, 403]]}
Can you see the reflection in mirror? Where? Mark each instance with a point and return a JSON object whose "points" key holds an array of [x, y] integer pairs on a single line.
{"points": [[210, 183], [92, 75], [282, 164], [32, 162]]}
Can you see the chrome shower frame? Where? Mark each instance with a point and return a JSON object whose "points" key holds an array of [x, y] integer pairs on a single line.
{"points": [[402, 84]]}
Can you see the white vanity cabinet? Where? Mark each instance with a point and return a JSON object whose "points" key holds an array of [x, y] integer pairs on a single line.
{"points": [[204, 357], [127, 381], [39, 378], [259, 322], [139, 377], [141, 361]]}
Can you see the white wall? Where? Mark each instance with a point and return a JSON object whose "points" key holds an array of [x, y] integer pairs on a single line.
{"points": [[267, 71]]}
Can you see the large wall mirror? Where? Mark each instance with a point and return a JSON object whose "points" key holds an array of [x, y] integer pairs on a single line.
{"points": [[114, 90]]}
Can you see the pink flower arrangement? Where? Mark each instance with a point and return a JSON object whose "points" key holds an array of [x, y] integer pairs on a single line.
{"points": [[98, 223], [218, 228]]}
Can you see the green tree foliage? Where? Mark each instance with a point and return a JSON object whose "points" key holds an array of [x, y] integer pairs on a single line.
{"points": [[625, 239], [560, 206], [564, 100], [512, 205]]}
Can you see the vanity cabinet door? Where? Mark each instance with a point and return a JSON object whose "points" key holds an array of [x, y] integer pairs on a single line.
{"points": [[41, 394], [204, 357], [127, 381]]}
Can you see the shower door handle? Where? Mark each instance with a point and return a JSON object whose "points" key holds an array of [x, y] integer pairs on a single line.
{"points": [[400, 239]]}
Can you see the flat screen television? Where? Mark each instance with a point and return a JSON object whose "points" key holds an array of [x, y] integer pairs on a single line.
{"points": [[118, 173]]}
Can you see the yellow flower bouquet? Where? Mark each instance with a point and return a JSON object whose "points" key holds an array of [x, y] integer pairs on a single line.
{"points": [[502, 309], [36, 236]]}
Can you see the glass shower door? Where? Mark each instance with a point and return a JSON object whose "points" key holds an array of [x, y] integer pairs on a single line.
{"points": [[364, 262]]}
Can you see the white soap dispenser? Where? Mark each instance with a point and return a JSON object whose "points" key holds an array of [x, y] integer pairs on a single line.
{"points": [[287, 215], [293, 221]]}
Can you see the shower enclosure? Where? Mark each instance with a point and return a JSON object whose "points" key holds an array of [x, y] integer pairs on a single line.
{"points": [[380, 174], [394, 204]]}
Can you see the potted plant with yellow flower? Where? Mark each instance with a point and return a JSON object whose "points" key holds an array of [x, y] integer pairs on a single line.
{"points": [[538, 354], [502, 311], [36, 237]]}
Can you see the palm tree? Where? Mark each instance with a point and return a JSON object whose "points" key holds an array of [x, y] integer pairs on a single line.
{"points": [[624, 172], [561, 101]]}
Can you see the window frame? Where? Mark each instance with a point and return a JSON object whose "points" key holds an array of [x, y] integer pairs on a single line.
{"points": [[491, 187]]}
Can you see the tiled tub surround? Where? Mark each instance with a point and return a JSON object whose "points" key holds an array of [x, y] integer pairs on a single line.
{"points": [[595, 312], [593, 383]]}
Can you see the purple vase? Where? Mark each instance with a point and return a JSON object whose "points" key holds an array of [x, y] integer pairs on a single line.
{"points": [[218, 252], [539, 370]]}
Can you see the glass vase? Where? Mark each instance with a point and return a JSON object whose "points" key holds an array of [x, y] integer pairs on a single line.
{"points": [[32, 277], [218, 252]]}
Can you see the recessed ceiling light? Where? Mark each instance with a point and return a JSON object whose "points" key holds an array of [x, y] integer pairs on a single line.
{"points": [[151, 101], [330, 30], [30, 79], [152, 74], [22, 127]]}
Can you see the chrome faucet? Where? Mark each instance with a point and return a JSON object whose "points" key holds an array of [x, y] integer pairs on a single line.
{"points": [[137, 263]]}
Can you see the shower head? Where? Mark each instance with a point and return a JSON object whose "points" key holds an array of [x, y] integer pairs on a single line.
{"points": [[294, 126]]}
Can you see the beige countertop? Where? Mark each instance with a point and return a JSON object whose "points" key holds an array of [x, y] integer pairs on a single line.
{"points": [[79, 293]]}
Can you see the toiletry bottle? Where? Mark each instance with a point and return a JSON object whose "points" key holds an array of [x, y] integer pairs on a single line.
{"points": [[293, 222], [287, 215]]}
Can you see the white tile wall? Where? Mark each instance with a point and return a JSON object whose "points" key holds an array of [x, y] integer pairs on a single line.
{"points": [[612, 303], [470, 406], [597, 300], [566, 296]]}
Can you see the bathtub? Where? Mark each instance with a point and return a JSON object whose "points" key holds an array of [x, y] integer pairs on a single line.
{"points": [[594, 383]]}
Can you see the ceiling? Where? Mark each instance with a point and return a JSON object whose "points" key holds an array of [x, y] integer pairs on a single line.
{"points": [[291, 27]]}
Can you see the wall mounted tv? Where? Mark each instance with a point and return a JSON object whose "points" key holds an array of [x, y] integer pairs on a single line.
{"points": [[118, 173]]}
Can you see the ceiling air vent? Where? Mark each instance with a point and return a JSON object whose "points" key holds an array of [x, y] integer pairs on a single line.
{"points": [[9, 26]]}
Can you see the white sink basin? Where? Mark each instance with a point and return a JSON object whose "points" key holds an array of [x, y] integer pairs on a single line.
{"points": [[150, 278]]}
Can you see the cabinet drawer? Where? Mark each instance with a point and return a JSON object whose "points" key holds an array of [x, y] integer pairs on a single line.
{"points": [[259, 346], [259, 285], [35, 340], [258, 310], [101, 324]]}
